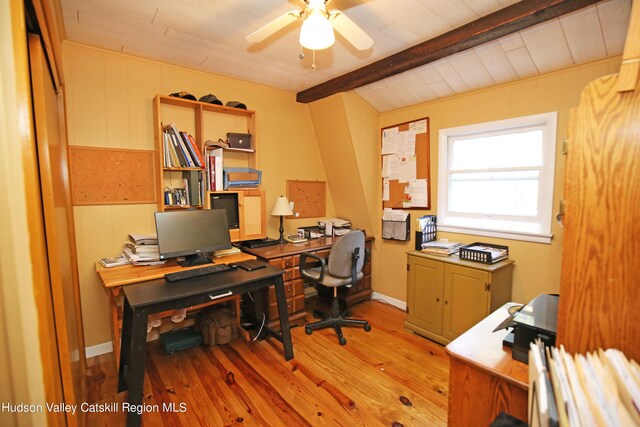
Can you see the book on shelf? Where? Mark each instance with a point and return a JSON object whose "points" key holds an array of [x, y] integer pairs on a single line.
{"points": [[215, 168], [171, 159], [190, 148], [182, 161], [114, 261], [185, 151], [193, 143]]}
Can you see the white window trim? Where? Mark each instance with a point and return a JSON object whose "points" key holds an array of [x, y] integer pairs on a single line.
{"points": [[549, 123]]}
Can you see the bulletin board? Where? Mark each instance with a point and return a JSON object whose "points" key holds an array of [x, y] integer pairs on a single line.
{"points": [[107, 176], [405, 163], [308, 198]]}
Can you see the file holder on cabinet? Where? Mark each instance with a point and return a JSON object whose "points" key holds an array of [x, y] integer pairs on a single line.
{"points": [[396, 230], [427, 226]]}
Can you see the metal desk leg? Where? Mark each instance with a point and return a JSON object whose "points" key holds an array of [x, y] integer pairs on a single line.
{"points": [[125, 346], [281, 299], [136, 360]]}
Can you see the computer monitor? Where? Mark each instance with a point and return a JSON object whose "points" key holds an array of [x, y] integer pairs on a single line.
{"points": [[192, 234]]}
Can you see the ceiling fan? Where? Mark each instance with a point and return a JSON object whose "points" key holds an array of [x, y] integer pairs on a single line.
{"points": [[317, 27]]}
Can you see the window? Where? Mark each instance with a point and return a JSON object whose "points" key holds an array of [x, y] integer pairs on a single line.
{"points": [[496, 179]]}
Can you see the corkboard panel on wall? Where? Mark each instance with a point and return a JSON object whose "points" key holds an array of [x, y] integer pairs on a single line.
{"points": [[400, 193], [108, 176], [308, 198]]}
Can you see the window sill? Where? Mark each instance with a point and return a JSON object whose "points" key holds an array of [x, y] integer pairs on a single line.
{"points": [[510, 235]]}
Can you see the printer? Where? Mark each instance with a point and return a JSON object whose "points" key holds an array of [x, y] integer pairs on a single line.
{"points": [[537, 319]]}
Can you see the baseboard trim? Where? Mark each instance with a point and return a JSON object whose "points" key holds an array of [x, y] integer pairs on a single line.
{"points": [[402, 305], [98, 349]]}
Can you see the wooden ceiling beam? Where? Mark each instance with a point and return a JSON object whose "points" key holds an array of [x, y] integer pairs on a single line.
{"points": [[511, 19]]}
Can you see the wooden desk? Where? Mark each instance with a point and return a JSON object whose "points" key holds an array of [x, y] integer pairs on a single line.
{"points": [[115, 277], [157, 296], [483, 378], [287, 257]]}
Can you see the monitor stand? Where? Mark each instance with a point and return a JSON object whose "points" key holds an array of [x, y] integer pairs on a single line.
{"points": [[193, 260]]}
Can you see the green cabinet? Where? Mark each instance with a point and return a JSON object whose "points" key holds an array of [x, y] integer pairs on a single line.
{"points": [[447, 296]]}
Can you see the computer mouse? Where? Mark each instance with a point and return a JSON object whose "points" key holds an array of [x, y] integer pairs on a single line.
{"points": [[233, 265]]}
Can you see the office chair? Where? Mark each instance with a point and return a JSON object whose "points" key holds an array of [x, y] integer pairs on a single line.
{"points": [[344, 268]]}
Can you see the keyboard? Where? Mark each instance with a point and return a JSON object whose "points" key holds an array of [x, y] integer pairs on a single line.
{"points": [[202, 271]]}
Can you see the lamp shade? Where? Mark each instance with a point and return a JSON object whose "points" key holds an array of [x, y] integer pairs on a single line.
{"points": [[281, 207], [316, 32]]}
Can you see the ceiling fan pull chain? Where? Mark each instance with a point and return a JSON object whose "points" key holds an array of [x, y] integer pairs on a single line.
{"points": [[313, 65]]}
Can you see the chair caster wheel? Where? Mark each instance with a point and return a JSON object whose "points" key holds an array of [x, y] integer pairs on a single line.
{"points": [[342, 341], [308, 331], [367, 327]]}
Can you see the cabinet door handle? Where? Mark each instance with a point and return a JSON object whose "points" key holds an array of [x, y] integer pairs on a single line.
{"points": [[446, 302], [437, 299]]}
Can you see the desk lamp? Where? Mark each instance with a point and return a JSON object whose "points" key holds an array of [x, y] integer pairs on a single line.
{"points": [[281, 208]]}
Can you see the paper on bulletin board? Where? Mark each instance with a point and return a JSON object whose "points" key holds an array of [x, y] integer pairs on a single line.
{"points": [[385, 189], [390, 141], [407, 169], [390, 166], [417, 192], [418, 127], [407, 144]]}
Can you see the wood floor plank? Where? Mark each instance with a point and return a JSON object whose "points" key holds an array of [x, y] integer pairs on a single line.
{"points": [[326, 384]]}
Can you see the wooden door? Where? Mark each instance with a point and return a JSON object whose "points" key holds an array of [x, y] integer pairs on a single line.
{"points": [[252, 214], [51, 143], [466, 299], [424, 293], [600, 279]]}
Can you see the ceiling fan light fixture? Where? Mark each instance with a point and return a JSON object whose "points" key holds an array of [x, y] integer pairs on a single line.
{"points": [[317, 31]]}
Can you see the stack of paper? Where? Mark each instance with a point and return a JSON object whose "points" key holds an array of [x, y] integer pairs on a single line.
{"points": [[226, 252], [339, 226], [142, 249], [144, 239], [441, 247], [115, 261], [594, 389]]}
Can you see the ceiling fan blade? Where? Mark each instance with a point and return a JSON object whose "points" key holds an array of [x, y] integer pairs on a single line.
{"points": [[273, 27], [350, 31]]}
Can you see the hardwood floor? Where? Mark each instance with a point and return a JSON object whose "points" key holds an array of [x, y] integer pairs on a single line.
{"points": [[362, 383]]}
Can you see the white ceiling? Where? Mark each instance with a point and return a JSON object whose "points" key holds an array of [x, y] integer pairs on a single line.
{"points": [[210, 35]]}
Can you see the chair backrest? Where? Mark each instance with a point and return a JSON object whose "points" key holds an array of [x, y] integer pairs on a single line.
{"points": [[341, 251]]}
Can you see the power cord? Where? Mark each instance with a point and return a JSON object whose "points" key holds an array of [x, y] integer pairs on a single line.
{"points": [[261, 326], [264, 318]]}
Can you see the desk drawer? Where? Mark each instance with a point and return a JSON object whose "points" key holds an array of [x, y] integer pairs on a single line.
{"points": [[293, 288], [294, 305], [291, 273], [286, 262]]}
